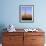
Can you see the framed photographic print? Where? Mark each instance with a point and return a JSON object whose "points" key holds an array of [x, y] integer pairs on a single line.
{"points": [[26, 13]]}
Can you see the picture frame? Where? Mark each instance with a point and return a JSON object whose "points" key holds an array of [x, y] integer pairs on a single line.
{"points": [[26, 13]]}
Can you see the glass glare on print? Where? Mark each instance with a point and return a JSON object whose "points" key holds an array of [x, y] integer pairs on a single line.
{"points": [[26, 12]]}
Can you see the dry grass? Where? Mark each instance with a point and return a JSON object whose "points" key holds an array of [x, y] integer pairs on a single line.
{"points": [[27, 17]]}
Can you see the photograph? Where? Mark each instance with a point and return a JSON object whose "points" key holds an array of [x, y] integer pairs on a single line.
{"points": [[26, 13]]}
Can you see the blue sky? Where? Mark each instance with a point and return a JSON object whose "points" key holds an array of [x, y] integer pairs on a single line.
{"points": [[27, 8]]}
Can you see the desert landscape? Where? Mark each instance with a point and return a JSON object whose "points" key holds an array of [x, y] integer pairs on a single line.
{"points": [[27, 17]]}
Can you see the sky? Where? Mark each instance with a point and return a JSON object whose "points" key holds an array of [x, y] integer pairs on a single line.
{"points": [[28, 9]]}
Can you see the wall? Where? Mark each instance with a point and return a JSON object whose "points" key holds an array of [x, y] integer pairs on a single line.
{"points": [[9, 13]]}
